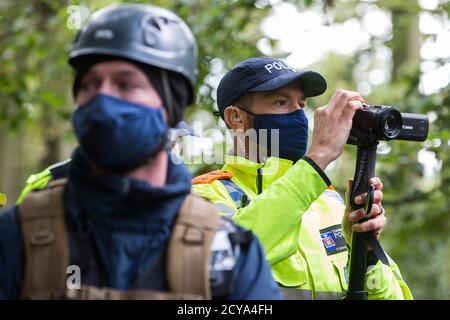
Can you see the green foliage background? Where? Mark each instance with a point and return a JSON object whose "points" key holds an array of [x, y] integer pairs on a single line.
{"points": [[36, 103]]}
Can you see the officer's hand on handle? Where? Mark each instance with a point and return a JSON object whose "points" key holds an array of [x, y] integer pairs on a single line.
{"points": [[377, 218], [332, 124]]}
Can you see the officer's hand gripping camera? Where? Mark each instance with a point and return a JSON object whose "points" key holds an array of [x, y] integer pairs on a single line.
{"points": [[370, 125]]}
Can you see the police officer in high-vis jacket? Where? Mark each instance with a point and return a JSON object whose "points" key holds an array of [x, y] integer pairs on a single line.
{"points": [[273, 186], [118, 221]]}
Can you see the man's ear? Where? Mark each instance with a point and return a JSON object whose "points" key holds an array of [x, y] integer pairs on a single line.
{"points": [[233, 117]]}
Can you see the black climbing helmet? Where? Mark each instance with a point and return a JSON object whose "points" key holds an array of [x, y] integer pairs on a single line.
{"points": [[141, 33]]}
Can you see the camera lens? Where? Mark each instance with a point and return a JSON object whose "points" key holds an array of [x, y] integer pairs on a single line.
{"points": [[389, 123], [392, 124]]}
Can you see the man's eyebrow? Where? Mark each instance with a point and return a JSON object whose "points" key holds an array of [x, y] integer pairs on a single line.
{"points": [[125, 73], [276, 94], [283, 93], [89, 74], [288, 95]]}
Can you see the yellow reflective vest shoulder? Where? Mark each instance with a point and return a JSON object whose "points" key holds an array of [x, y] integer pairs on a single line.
{"points": [[297, 216], [40, 180], [3, 200]]}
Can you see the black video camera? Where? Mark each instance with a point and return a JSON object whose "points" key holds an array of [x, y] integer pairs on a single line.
{"points": [[374, 123], [370, 125]]}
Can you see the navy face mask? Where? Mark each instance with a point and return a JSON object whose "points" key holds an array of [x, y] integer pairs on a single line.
{"points": [[293, 132], [117, 134]]}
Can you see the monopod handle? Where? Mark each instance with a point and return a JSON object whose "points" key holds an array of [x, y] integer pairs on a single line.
{"points": [[365, 169]]}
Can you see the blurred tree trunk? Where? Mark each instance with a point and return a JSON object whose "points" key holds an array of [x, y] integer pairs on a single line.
{"points": [[49, 123], [12, 157], [52, 143], [405, 42]]}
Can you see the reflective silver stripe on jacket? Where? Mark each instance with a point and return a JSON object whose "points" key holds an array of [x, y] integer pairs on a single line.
{"points": [[301, 294], [224, 209], [334, 195]]}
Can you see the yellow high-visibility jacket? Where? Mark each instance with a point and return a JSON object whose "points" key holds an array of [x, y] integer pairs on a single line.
{"points": [[297, 218]]}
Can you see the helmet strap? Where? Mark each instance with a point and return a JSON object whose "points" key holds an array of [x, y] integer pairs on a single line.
{"points": [[167, 97]]}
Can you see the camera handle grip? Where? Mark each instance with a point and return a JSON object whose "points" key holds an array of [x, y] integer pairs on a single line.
{"points": [[365, 169]]}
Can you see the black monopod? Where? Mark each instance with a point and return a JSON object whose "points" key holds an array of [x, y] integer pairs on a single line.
{"points": [[370, 125]]}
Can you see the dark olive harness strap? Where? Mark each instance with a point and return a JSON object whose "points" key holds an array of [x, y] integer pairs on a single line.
{"points": [[47, 251], [46, 243], [190, 247]]}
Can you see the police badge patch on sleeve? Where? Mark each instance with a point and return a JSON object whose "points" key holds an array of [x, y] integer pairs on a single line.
{"points": [[333, 239]]}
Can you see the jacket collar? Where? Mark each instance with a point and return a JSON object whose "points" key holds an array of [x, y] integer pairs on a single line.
{"points": [[246, 171]]}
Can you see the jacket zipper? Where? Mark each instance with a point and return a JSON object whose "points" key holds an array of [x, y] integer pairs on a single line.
{"points": [[259, 182]]}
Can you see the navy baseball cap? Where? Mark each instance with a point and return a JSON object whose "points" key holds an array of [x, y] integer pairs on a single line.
{"points": [[264, 74]]}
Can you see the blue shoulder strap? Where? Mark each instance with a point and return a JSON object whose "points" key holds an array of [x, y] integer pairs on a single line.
{"points": [[238, 196], [60, 170]]}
